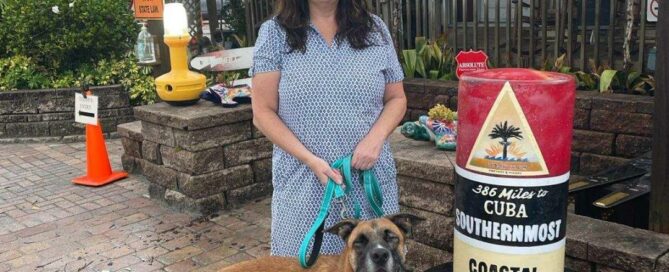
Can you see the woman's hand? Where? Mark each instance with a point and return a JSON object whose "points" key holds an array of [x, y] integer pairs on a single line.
{"points": [[367, 152], [323, 171]]}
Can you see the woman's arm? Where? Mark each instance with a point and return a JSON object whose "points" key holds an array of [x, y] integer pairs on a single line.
{"points": [[369, 149], [265, 105]]}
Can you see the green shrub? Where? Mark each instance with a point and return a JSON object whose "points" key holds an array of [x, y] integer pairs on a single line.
{"points": [[19, 72], [82, 31], [604, 78], [234, 14], [137, 80]]}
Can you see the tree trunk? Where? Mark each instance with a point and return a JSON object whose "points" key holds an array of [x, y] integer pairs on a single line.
{"points": [[627, 41], [396, 22], [212, 17], [504, 150]]}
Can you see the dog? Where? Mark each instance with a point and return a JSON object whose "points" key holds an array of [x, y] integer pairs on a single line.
{"points": [[371, 246]]}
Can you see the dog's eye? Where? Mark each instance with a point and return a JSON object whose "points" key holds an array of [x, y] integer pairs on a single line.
{"points": [[360, 242], [391, 237]]}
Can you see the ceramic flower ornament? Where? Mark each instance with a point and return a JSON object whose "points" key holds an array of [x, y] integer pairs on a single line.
{"points": [[440, 126]]}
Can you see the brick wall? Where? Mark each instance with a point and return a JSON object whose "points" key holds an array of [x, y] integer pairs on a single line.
{"points": [[200, 158], [50, 113], [609, 129]]}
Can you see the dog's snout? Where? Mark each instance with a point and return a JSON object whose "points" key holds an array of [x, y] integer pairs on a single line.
{"points": [[380, 256]]}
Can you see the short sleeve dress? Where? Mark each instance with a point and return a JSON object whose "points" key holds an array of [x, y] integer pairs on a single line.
{"points": [[329, 97]]}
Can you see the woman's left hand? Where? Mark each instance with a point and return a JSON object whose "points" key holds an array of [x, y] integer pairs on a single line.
{"points": [[367, 152]]}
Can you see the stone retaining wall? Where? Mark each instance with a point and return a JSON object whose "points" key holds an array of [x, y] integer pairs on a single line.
{"points": [[609, 129], [426, 178], [200, 158], [205, 158], [50, 113]]}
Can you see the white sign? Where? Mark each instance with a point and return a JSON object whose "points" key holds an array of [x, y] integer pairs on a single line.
{"points": [[243, 81], [224, 60], [653, 9], [86, 109]]}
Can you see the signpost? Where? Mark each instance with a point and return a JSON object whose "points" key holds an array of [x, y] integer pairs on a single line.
{"points": [[659, 207], [148, 9], [653, 8], [469, 61]]}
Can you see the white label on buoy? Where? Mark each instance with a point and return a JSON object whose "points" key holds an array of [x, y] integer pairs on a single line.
{"points": [[86, 109]]}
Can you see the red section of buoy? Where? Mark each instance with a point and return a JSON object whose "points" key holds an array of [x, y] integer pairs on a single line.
{"points": [[546, 99]]}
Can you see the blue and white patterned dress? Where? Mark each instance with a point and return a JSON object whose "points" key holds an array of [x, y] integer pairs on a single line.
{"points": [[329, 97]]}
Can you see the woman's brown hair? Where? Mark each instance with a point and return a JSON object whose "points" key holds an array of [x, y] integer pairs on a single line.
{"points": [[354, 23]]}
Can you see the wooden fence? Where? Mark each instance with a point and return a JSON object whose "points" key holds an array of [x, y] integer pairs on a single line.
{"points": [[518, 33]]}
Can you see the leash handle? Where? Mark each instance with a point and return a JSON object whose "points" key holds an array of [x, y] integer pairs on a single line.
{"points": [[332, 192]]}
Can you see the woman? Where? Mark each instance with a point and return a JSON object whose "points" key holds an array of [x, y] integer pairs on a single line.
{"points": [[327, 83]]}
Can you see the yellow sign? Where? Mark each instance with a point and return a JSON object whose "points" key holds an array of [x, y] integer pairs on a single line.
{"points": [[506, 145], [148, 9]]}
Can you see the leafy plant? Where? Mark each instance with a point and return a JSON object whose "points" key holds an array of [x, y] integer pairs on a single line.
{"points": [[409, 63], [226, 77], [19, 72], [430, 59], [604, 78], [626, 81], [61, 35], [442, 113]]}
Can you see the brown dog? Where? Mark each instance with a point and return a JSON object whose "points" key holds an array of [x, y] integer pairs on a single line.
{"points": [[371, 246]]}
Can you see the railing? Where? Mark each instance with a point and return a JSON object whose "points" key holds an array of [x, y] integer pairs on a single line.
{"points": [[519, 33]]}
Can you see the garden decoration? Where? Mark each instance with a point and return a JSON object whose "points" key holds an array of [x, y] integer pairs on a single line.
{"points": [[513, 162], [440, 126], [180, 86], [226, 95]]}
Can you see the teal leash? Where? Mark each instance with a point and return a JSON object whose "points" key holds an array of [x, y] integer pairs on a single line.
{"points": [[335, 192]]}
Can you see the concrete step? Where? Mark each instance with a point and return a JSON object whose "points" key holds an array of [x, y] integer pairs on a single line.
{"points": [[419, 159]]}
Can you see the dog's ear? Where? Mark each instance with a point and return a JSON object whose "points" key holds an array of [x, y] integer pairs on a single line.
{"points": [[343, 229], [405, 221]]}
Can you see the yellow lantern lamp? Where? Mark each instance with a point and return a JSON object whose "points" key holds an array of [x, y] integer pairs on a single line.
{"points": [[180, 86]]}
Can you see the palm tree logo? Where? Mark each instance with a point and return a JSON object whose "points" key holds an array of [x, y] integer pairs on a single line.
{"points": [[505, 132]]}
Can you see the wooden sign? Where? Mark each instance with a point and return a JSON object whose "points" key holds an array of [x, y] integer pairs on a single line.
{"points": [[148, 9], [224, 60]]}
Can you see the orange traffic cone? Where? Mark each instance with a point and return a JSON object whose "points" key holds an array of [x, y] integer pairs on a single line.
{"points": [[97, 161]]}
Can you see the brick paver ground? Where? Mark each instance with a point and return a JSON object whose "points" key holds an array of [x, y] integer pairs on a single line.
{"points": [[49, 224]]}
